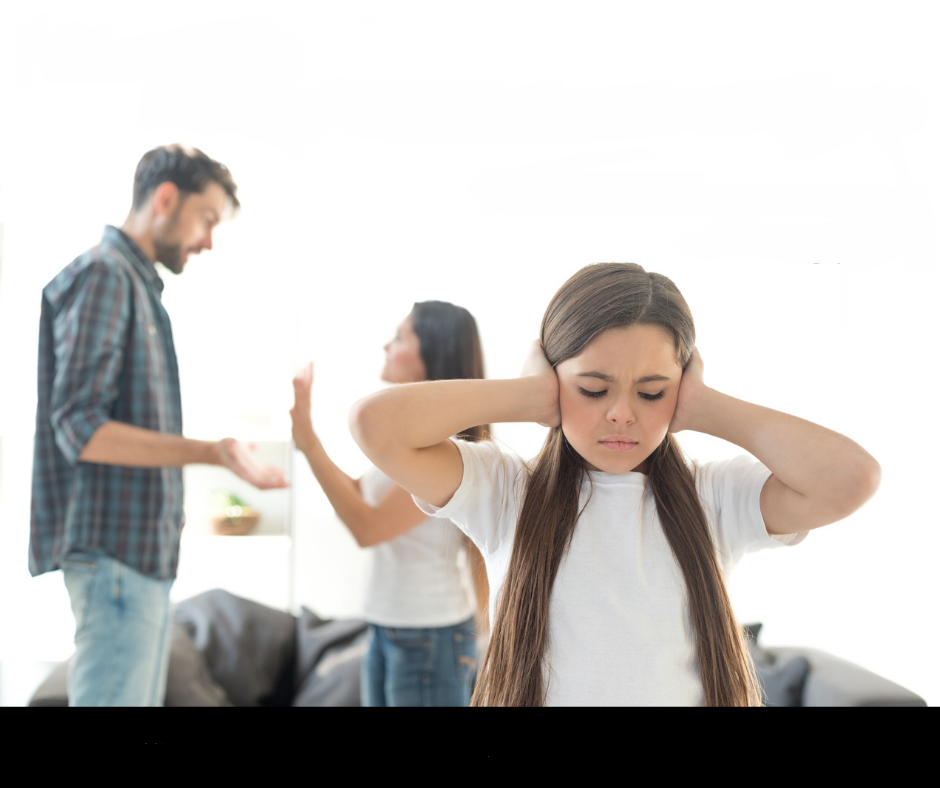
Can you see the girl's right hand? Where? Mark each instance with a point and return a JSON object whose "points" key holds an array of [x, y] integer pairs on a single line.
{"points": [[537, 366], [301, 420]]}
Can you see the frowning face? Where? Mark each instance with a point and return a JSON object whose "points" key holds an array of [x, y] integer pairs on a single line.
{"points": [[618, 397]]}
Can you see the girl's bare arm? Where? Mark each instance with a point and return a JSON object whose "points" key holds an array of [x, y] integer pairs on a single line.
{"points": [[819, 476], [405, 429]]}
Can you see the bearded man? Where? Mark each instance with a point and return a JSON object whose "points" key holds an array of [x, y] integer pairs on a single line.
{"points": [[107, 487]]}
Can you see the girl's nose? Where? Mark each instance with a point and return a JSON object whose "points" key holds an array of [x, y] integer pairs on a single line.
{"points": [[621, 412]]}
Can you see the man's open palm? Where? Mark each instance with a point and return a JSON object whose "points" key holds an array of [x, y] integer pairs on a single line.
{"points": [[243, 462]]}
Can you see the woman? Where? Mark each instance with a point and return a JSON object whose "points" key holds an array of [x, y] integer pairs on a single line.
{"points": [[424, 576]]}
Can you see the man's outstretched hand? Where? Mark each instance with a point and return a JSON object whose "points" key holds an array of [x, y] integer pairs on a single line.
{"points": [[242, 461]]}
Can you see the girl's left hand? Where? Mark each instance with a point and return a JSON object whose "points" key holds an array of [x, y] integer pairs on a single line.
{"points": [[302, 430], [691, 390]]}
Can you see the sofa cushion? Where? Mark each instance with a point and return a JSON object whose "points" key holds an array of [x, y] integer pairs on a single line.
{"points": [[782, 679], [329, 660], [833, 681], [188, 681], [54, 690], [248, 647]]}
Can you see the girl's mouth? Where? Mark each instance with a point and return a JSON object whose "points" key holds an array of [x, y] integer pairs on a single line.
{"points": [[618, 444]]}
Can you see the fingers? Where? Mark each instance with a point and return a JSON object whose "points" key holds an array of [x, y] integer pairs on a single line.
{"points": [[304, 379], [302, 391], [536, 362], [305, 376], [271, 479], [241, 460]]}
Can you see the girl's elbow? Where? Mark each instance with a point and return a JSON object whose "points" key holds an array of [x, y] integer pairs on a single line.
{"points": [[362, 425], [862, 487], [871, 479], [354, 422]]}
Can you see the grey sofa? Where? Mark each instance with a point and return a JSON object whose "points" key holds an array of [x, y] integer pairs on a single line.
{"points": [[229, 651], [808, 677]]}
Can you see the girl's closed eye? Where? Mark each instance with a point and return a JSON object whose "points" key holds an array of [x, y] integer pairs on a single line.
{"points": [[595, 394]]}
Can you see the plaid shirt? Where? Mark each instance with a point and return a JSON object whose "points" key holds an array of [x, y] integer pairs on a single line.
{"points": [[105, 353]]}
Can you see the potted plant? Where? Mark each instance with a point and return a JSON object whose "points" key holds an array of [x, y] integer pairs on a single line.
{"points": [[231, 516]]}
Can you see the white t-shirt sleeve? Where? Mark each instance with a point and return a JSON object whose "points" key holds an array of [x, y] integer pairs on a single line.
{"points": [[730, 493], [485, 505]]}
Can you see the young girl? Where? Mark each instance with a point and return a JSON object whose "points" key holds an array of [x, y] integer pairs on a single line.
{"points": [[420, 598], [607, 556]]}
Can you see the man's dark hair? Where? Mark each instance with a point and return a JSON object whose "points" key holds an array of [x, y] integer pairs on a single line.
{"points": [[189, 168]]}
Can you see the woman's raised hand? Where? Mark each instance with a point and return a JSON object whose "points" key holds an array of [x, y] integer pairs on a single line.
{"points": [[301, 420], [691, 388], [537, 366]]}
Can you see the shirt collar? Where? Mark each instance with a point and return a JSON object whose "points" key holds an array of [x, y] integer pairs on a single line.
{"points": [[134, 254]]}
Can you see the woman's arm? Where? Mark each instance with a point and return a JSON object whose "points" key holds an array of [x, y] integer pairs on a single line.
{"points": [[818, 476], [395, 514], [405, 429]]}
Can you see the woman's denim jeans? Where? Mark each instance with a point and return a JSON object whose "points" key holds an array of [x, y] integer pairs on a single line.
{"points": [[121, 633], [429, 666]]}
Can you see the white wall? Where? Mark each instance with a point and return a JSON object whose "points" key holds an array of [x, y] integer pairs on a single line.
{"points": [[779, 165]]}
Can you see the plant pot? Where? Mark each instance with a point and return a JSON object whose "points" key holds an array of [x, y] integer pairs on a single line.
{"points": [[235, 525]]}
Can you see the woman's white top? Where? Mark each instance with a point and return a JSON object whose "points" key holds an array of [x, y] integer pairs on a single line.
{"points": [[619, 632], [421, 578]]}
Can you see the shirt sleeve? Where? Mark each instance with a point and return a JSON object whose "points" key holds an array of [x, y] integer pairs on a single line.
{"points": [[730, 493], [89, 333], [485, 505]]}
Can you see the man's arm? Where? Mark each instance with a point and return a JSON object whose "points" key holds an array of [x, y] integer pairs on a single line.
{"points": [[115, 443], [88, 339]]}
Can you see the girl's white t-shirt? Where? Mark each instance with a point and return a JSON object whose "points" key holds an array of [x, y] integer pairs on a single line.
{"points": [[619, 632], [418, 579]]}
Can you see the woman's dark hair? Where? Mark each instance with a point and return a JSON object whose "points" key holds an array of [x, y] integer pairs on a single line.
{"points": [[450, 348], [189, 168], [597, 298]]}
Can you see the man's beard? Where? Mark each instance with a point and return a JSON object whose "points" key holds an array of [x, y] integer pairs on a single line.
{"points": [[170, 254]]}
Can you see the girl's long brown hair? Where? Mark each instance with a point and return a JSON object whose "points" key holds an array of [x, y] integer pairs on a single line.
{"points": [[596, 298]]}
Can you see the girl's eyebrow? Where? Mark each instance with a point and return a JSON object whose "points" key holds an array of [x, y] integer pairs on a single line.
{"points": [[610, 378]]}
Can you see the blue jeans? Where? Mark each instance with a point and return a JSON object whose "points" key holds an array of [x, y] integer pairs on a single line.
{"points": [[121, 633], [429, 666]]}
